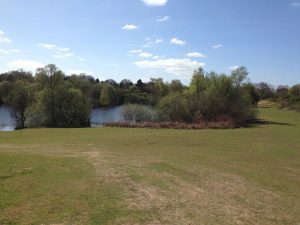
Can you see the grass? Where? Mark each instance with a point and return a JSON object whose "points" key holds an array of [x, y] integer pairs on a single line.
{"points": [[148, 176]]}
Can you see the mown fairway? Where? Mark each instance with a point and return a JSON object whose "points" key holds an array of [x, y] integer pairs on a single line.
{"points": [[144, 176]]}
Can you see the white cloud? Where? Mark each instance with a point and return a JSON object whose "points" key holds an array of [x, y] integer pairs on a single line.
{"points": [[180, 67], [4, 38], [134, 51], [195, 55], [155, 57], [233, 67], [53, 47], [61, 55], [47, 46], [145, 55], [9, 51], [158, 41], [217, 46], [295, 4], [72, 71], [28, 65], [151, 42], [163, 19], [176, 41], [64, 49], [130, 27], [81, 59], [155, 2]]}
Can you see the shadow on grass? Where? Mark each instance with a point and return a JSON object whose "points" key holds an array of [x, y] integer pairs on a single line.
{"points": [[258, 122]]}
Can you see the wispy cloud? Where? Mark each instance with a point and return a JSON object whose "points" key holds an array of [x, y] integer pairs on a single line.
{"points": [[155, 2], [216, 46], [158, 41], [180, 67], [195, 55], [145, 55], [176, 41], [28, 65], [9, 51], [47, 46], [4, 38], [60, 52], [295, 4], [60, 55], [130, 27], [135, 51], [81, 59], [233, 67], [151, 42], [163, 19]]}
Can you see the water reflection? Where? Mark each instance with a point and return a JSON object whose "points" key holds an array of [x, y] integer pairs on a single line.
{"points": [[99, 116], [6, 122]]}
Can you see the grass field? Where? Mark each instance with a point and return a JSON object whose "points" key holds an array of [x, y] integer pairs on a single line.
{"points": [[144, 176]]}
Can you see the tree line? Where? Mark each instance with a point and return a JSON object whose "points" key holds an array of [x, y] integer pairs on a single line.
{"points": [[50, 98]]}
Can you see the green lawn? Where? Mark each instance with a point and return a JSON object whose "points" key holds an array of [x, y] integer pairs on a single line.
{"points": [[145, 176]]}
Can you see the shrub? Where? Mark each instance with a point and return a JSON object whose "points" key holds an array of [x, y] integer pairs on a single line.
{"points": [[174, 107], [138, 113]]}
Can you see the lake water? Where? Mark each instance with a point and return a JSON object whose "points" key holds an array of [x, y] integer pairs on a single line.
{"points": [[6, 122], [98, 117]]}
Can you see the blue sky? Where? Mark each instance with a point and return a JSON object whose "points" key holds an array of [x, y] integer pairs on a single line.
{"points": [[153, 38]]}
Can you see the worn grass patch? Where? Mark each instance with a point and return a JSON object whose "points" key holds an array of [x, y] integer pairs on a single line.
{"points": [[145, 176]]}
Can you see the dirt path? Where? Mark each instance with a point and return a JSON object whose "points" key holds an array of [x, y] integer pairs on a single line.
{"points": [[218, 199]]}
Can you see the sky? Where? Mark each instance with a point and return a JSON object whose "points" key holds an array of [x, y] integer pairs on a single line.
{"points": [[143, 39]]}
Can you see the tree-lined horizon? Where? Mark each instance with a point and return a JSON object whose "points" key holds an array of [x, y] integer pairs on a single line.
{"points": [[49, 98]]}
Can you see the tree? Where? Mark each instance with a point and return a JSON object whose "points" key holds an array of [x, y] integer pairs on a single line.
{"points": [[282, 92], [198, 82], [140, 85], [173, 108], [20, 98], [73, 108], [295, 90], [265, 91], [252, 91], [50, 78], [106, 95], [126, 84], [15, 75], [138, 113], [176, 86]]}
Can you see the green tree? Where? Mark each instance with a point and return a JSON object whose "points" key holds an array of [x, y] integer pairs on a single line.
{"points": [[106, 95], [49, 79], [174, 108], [20, 98], [176, 86]]}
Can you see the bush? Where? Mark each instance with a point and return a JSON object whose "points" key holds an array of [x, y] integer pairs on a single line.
{"points": [[174, 107], [211, 97], [295, 91], [138, 113]]}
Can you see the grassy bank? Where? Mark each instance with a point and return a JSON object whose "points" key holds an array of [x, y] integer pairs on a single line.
{"points": [[150, 176]]}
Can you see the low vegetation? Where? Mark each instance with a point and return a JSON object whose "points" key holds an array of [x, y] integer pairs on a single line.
{"points": [[111, 176]]}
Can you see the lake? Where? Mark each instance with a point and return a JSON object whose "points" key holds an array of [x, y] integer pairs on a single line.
{"points": [[98, 117], [6, 122]]}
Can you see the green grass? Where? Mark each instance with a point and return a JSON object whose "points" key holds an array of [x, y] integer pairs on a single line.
{"points": [[147, 176]]}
